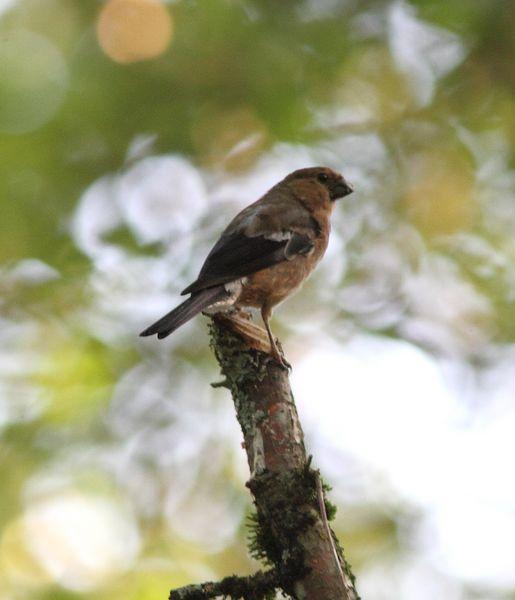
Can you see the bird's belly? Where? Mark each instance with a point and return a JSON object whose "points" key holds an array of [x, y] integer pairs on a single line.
{"points": [[273, 284]]}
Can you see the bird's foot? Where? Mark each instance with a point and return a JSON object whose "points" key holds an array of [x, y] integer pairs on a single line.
{"points": [[278, 355]]}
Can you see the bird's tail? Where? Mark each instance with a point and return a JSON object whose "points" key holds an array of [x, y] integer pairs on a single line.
{"points": [[186, 311]]}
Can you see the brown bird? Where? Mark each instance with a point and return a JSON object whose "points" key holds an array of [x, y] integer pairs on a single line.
{"points": [[265, 253]]}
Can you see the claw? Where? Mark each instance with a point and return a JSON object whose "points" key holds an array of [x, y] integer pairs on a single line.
{"points": [[278, 356], [283, 363]]}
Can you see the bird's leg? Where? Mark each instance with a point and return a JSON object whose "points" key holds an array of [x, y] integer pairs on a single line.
{"points": [[266, 313]]}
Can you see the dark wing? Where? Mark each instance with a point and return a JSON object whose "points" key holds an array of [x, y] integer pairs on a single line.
{"points": [[298, 244], [238, 255]]}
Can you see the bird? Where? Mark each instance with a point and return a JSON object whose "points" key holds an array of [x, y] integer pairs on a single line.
{"points": [[265, 253]]}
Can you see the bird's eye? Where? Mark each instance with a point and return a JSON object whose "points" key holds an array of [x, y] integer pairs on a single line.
{"points": [[322, 177]]}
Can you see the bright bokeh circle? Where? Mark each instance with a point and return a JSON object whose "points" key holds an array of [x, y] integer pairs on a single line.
{"points": [[129, 31]]}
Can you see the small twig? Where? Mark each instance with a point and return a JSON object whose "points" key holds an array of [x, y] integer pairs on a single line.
{"points": [[347, 580], [220, 384], [323, 514]]}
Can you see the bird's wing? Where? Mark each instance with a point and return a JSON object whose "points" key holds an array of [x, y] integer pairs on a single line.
{"points": [[260, 236], [238, 255]]}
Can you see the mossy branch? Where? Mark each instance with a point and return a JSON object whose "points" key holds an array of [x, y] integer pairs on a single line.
{"points": [[259, 586], [290, 530]]}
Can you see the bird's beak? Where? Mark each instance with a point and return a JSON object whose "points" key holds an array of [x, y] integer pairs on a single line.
{"points": [[341, 189]]}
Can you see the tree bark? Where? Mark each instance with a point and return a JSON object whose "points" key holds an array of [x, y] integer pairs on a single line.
{"points": [[291, 531]]}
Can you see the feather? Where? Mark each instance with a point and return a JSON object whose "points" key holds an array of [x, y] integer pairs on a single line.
{"points": [[186, 311], [236, 256]]}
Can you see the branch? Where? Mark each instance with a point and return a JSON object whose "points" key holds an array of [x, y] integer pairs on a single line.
{"points": [[255, 587], [291, 530]]}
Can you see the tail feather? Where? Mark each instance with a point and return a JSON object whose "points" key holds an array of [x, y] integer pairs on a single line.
{"points": [[185, 311]]}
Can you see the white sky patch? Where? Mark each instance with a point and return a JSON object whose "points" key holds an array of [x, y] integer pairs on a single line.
{"points": [[81, 540], [389, 397], [387, 404], [161, 196], [424, 52], [158, 198], [451, 320], [95, 216], [475, 542], [269, 170], [30, 271], [5, 5]]}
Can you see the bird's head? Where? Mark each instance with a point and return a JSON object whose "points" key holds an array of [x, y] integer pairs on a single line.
{"points": [[334, 183]]}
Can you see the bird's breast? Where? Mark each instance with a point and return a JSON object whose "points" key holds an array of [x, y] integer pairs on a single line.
{"points": [[274, 284]]}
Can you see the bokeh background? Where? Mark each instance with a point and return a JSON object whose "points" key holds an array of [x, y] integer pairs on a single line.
{"points": [[130, 132]]}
